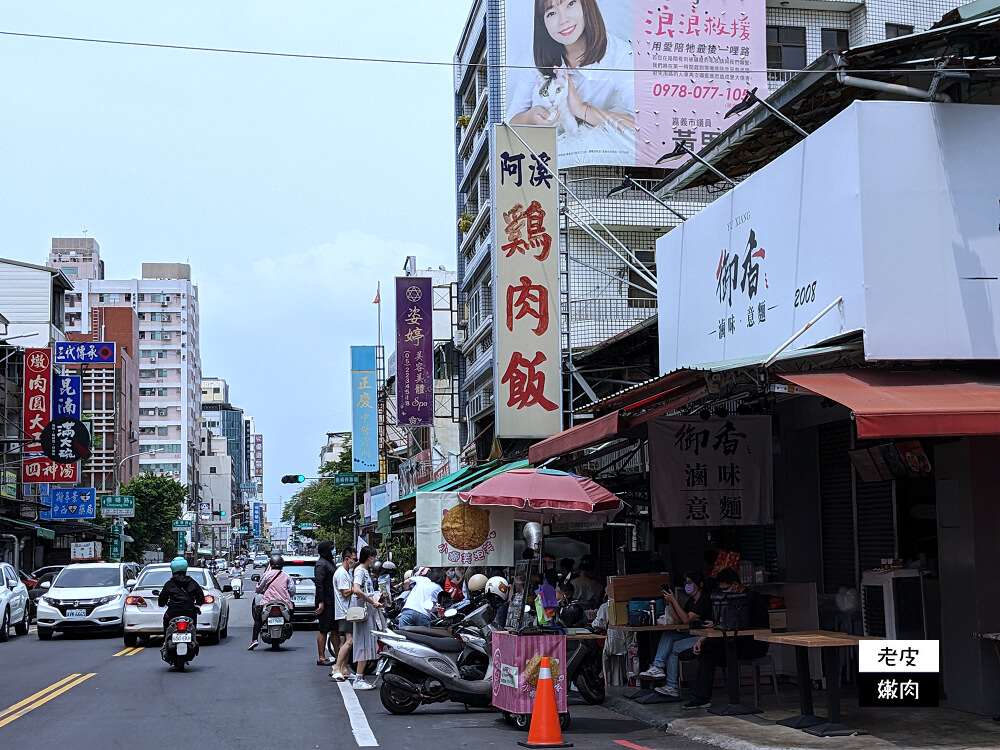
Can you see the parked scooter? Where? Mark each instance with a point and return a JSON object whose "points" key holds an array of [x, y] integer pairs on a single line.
{"points": [[277, 623], [583, 657], [180, 643], [434, 665]]}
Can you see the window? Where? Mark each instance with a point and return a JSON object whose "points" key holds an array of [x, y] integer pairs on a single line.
{"points": [[69, 271], [639, 292], [786, 47], [142, 334], [156, 298], [147, 413], [146, 392], [162, 431], [161, 353], [161, 372], [108, 297], [834, 40], [147, 430], [146, 353], [142, 297], [145, 373], [211, 470], [142, 316], [892, 30], [161, 392], [162, 412]]}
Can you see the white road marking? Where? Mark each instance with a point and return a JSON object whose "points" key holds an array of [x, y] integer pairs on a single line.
{"points": [[359, 723]]}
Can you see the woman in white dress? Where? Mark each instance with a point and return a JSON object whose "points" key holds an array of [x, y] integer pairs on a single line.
{"points": [[582, 82]]}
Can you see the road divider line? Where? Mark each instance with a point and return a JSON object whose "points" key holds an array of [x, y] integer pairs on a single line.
{"points": [[37, 695], [124, 651], [135, 651], [363, 734], [42, 701]]}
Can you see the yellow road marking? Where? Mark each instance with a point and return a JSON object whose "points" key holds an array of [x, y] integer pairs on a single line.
{"points": [[124, 650], [135, 651], [20, 709], [39, 694]]}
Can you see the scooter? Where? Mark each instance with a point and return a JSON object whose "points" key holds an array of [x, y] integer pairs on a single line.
{"points": [[180, 643], [237, 584], [277, 623], [583, 657], [432, 665]]}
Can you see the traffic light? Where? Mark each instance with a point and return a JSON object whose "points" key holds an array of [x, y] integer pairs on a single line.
{"points": [[218, 512], [293, 479]]}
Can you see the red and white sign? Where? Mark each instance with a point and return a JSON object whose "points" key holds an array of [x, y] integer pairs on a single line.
{"points": [[44, 469], [37, 413], [528, 367]]}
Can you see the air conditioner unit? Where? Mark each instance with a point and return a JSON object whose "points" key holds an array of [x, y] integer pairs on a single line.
{"points": [[459, 336], [165, 303], [152, 360], [133, 436], [892, 604]]}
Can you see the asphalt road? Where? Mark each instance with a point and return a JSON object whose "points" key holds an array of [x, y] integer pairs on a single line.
{"points": [[91, 693]]}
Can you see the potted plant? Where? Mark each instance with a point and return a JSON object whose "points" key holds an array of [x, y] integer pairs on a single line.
{"points": [[465, 222]]}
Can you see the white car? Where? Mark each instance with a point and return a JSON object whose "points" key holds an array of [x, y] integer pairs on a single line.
{"points": [[14, 609], [259, 561], [85, 596], [303, 570], [144, 616]]}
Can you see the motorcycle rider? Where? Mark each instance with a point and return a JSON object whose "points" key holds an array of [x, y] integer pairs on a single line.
{"points": [[181, 594], [275, 584]]}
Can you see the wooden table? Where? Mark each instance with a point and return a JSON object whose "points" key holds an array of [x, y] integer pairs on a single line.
{"points": [[735, 707], [828, 642], [646, 695]]}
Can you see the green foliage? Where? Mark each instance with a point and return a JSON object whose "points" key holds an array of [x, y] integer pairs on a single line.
{"points": [[399, 548], [320, 502], [465, 222], [159, 500], [463, 121]]}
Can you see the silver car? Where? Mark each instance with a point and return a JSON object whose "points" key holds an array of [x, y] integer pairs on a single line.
{"points": [[144, 617]]}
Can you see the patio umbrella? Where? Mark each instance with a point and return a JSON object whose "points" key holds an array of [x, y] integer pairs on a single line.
{"points": [[544, 494]]}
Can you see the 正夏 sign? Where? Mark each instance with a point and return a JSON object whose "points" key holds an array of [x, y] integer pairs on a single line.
{"points": [[450, 532], [364, 416], [714, 472], [120, 505], [414, 351], [647, 73], [526, 272], [78, 502], [74, 352]]}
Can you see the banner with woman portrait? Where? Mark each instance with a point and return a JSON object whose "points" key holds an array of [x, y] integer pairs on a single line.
{"points": [[623, 81]]}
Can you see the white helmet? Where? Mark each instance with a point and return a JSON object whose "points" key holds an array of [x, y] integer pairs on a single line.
{"points": [[407, 574], [477, 583], [389, 567], [498, 586]]}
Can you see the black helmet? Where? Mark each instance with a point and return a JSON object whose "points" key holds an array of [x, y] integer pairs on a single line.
{"points": [[572, 615], [277, 562]]}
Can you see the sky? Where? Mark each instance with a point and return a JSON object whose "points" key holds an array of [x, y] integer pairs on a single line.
{"points": [[292, 187]]}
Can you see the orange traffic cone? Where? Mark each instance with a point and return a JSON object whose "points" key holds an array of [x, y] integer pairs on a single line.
{"points": [[545, 731]]}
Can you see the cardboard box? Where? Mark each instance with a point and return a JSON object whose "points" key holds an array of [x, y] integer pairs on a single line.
{"points": [[778, 619], [623, 588], [618, 613]]}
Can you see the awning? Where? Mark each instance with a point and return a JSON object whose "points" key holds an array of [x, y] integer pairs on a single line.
{"points": [[40, 531], [911, 403], [579, 436], [466, 477]]}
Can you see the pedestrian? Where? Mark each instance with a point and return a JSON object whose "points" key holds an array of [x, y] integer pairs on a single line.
{"points": [[421, 602], [343, 583], [325, 607], [713, 650], [589, 591], [365, 644]]}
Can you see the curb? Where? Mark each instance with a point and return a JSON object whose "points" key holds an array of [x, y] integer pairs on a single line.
{"points": [[636, 711]]}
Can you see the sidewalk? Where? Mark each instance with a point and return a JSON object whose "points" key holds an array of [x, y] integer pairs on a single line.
{"points": [[899, 729]]}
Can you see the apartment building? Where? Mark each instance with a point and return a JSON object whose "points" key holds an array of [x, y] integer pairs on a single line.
{"points": [[333, 447], [602, 294], [217, 487], [169, 360], [222, 418]]}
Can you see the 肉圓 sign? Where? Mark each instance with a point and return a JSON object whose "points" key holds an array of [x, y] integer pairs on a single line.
{"points": [[831, 218], [414, 351], [119, 505], [650, 73], [94, 352], [528, 380], [714, 472]]}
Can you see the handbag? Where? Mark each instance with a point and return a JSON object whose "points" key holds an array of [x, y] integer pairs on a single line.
{"points": [[356, 613]]}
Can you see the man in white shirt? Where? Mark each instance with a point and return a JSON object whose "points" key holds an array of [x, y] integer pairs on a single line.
{"points": [[343, 582], [422, 599]]}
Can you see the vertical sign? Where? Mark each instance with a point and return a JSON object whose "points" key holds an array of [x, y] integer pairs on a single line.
{"points": [[526, 280], [247, 448], [714, 472], [364, 422], [256, 518], [67, 396], [38, 395], [258, 455], [414, 353]]}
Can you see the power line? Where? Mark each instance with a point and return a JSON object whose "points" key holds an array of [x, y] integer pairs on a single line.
{"points": [[438, 63]]}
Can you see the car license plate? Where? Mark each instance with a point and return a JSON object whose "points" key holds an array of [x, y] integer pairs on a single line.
{"points": [[76, 613], [182, 638], [301, 599], [382, 664], [275, 621]]}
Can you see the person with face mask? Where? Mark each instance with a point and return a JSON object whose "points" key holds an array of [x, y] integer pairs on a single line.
{"points": [[455, 585], [697, 607], [326, 568]]}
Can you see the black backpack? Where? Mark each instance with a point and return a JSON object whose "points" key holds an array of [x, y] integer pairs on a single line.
{"points": [[730, 612], [181, 595]]}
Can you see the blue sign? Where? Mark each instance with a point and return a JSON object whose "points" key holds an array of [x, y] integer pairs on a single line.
{"points": [[364, 399], [67, 398], [44, 497], [256, 519], [78, 502], [76, 352]]}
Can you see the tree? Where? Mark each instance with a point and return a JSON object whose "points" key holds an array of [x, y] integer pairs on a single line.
{"points": [[322, 503], [159, 500]]}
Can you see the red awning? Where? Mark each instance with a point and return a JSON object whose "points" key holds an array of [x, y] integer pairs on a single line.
{"points": [[576, 438], [914, 403]]}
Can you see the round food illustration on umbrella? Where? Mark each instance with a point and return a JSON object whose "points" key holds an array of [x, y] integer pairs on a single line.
{"points": [[465, 526]]}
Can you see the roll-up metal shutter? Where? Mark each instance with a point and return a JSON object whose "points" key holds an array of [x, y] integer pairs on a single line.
{"points": [[836, 494]]}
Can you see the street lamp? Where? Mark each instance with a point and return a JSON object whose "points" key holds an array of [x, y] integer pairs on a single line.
{"points": [[680, 150], [118, 466]]}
